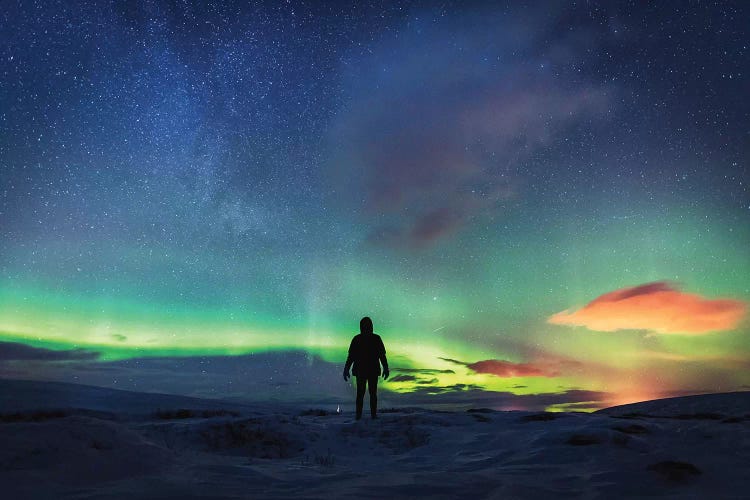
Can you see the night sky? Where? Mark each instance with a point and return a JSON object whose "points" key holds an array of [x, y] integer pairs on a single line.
{"points": [[540, 206]]}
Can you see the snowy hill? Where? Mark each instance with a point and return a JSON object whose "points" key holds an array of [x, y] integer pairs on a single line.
{"points": [[727, 404], [21, 395], [68, 441]]}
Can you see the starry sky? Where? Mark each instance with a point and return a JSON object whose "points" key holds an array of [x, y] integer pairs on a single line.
{"points": [[540, 206]]}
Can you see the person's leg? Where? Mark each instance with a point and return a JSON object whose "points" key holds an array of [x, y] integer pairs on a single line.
{"points": [[361, 382], [373, 383]]}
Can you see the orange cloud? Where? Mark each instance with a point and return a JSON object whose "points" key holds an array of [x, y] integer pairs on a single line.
{"points": [[658, 307]]}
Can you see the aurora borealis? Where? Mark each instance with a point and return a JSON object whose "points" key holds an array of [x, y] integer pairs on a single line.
{"points": [[539, 206]]}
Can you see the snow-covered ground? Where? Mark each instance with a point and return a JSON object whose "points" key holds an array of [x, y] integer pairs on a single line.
{"points": [[68, 441]]}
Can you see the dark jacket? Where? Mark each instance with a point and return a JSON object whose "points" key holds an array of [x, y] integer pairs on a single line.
{"points": [[366, 352]]}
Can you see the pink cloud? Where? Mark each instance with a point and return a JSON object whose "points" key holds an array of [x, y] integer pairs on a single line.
{"points": [[659, 307], [507, 369]]}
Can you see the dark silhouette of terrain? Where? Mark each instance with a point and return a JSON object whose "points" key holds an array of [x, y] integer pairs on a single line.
{"points": [[65, 440]]}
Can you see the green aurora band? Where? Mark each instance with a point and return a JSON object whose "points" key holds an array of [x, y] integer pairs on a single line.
{"points": [[464, 316]]}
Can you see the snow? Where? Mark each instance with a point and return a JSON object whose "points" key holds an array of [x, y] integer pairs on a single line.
{"points": [[726, 404], [99, 443]]}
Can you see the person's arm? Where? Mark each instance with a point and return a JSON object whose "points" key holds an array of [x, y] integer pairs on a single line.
{"points": [[349, 360], [383, 359]]}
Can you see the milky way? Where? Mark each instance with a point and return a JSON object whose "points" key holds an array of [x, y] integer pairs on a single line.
{"points": [[539, 207]]}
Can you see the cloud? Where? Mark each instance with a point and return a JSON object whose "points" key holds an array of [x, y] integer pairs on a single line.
{"points": [[578, 406], [454, 361], [435, 224], [417, 379], [439, 390], [658, 307], [436, 140], [288, 376], [16, 351], [506, 369], [424, 371], [472, 395]]}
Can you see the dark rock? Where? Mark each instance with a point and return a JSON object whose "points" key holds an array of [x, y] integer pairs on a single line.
{"points": [[673, 470], [632, 429], [539, 417], [583, 439]]}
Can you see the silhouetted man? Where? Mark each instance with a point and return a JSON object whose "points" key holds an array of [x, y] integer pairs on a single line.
{"points": [[366, 352]]}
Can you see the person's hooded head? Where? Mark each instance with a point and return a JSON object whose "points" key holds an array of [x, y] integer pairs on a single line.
{"points": [[365, 325]]}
